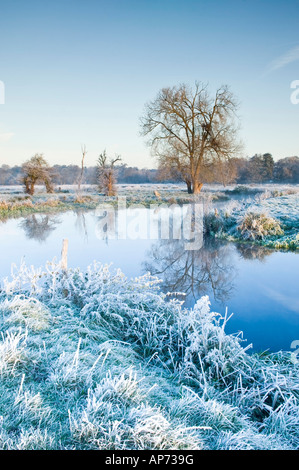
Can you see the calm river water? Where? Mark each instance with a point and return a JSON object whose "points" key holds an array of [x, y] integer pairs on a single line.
{"points": [[259, 286]]}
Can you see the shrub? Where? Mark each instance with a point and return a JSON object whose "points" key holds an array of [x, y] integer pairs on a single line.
{"points": [[256, 226]]}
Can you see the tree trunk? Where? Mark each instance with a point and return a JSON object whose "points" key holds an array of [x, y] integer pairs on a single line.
{"points": [[31, 190], [189, 187], [49, 187], [197, 187], [110, 185], [27, 185]]}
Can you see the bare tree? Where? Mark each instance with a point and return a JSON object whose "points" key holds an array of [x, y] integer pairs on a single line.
{"points": [[37, 170], [83, 152], [106, 174], [224, 172], [189, 131]]}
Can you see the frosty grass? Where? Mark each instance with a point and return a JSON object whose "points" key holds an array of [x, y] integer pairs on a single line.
{"points": [[93, 360]]}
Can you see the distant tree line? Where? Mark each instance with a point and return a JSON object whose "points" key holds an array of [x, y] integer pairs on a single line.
{"points": [[69, 174], [261, 168]]}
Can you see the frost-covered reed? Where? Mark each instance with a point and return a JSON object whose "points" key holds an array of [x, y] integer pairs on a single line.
{"points": [[93, 360]]}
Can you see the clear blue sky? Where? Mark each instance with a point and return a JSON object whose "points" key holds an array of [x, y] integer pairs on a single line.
{"points": [[80, 72]]}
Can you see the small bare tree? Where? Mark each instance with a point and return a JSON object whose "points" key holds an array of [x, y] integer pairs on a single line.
{"points": [[37, 170], [189, 131], [80, 178], [106, 174]]}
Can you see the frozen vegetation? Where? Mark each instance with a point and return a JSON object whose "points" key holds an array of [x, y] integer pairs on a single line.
{"points": [[93, 360], [270, 219]]}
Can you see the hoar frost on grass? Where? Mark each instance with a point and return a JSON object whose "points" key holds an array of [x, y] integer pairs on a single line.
{"points": [[268, 220], [258, 226], [93, 360]]}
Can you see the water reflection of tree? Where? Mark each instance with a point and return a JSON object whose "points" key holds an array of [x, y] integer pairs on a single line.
{"points": [[252, 252], [80, 223], [39, 227], [208, 271]]}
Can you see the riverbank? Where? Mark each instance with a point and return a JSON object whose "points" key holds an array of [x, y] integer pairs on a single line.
{"points": [[268, 220], [13, 203], [92, 360], [259, 215]]}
